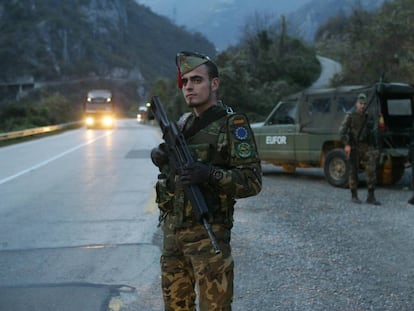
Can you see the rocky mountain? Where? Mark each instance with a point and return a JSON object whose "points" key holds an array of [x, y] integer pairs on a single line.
{"points": [[223, 21], [125, 39], [49, 40]]}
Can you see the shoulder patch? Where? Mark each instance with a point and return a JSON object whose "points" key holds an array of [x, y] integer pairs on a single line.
{"points": [[241, 139], [244, 150], [239, 120], [241, 132]]}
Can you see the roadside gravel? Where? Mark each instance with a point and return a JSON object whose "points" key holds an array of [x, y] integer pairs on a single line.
{"points": [[301, 245]]}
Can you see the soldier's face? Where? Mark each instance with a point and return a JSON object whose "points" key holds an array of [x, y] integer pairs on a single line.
{"points": [[361, 106], [197, 87]]}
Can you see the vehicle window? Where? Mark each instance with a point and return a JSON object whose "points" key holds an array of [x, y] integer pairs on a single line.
{"points": [[399, 107], [321, 105], [346, 104], [285, 114]]}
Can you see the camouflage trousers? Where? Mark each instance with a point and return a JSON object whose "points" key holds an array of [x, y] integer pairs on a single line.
{"points": [[363, 156], [189, 263]]}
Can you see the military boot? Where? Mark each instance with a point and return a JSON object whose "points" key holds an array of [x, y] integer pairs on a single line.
{"points": [[371, 198], [355, 196]]}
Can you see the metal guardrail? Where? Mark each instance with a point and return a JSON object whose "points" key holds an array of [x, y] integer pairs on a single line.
{"points": [[38, 130]]}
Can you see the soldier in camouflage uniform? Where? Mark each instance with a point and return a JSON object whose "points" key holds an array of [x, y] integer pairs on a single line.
{"points": [[226, 167], [361, 146]]}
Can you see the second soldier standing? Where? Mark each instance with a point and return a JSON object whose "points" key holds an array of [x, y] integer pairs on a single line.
{"points": [[361, 146]]}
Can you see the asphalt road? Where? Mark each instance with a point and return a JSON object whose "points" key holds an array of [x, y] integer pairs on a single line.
{"points": [[77, 217], [299, 245], [329, 68]]}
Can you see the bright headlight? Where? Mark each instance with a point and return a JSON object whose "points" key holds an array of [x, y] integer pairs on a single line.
{"points": [[89, 121], [108, 121]]}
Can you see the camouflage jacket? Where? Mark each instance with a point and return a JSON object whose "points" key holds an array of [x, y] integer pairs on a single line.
{"points": [[358, 128], [225, 141]]}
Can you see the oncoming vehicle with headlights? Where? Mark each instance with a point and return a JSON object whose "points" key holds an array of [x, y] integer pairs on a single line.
{"points": [[99, 109], [142, 115]]}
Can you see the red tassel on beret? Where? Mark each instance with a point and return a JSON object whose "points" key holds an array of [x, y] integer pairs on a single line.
{"points": [[179, 79]]}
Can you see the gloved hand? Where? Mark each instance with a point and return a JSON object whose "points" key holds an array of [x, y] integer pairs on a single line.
{"points": [[159, 155], [196, 173]]}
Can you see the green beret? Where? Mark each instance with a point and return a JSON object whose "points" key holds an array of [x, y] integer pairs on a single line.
{"points": [[187, 61]]}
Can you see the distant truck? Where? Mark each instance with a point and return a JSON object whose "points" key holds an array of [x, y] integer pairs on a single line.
{"points": [[302, 130], [99, 109]]}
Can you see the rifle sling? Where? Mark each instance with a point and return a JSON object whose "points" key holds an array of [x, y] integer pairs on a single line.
{"points": [[212, 114], [362, 128]]}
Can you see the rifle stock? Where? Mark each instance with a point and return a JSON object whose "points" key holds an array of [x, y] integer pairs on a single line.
{"points": [[182, 156]]}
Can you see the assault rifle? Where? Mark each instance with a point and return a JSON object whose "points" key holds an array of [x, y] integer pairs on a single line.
{"points": [[182, 156]]}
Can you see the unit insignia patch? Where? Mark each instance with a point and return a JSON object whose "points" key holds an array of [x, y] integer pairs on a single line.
{"points": [[244, 150]]}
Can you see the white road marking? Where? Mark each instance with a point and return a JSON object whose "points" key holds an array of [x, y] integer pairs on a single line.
{"points": [[4, 180]]}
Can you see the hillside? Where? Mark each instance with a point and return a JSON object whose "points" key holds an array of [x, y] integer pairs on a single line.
{"points": [[220, 21], [305, 21], [371, 45], [223, 22], [67, 48], [49, 40]]}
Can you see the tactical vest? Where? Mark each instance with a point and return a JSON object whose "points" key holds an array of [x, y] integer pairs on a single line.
{"points": [[226, 142], [207, 147], [360, 129]]}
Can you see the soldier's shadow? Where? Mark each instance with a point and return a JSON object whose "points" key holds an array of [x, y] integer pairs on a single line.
{"points": [[312, 174], [317, 174]]}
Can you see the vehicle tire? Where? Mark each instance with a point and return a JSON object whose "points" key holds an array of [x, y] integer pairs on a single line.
{"points": [[336, 168]]}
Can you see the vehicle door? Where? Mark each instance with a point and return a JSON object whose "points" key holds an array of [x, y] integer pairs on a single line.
{"points": [[276, 137], [320, 126], [397, 115]]}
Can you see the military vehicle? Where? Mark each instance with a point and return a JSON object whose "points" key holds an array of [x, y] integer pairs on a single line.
{"points": [[302, 130]]}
